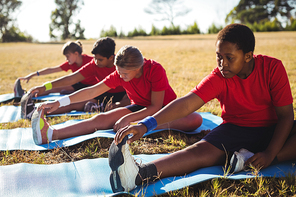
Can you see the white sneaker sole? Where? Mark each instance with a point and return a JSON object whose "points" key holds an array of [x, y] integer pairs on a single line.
{"points": [[36, 127]]}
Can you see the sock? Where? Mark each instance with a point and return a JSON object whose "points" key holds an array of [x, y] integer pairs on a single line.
{"points": [[147, 173], [49, 133]]}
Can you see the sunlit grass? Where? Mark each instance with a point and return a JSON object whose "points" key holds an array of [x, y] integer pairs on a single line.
{"points": [[187, 60]]}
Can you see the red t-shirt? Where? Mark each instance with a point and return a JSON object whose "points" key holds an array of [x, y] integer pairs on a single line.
{"points": [[94, 74], [139, 89], [85, 59], [249, 102]]}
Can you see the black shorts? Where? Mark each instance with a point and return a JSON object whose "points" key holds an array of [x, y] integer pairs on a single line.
{"points": [[134, 107], [229, 137], [79, 85]]}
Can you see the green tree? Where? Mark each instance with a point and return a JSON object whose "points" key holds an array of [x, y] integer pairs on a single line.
{"points": [[14, 34], [61, 19], [78, 31], [251, 11], [192, 29], [291, 25], [213, 29], [110, 33], [167, 9], [154, 31], [7, 7]]}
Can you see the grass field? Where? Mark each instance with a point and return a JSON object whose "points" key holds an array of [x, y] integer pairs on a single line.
{"points": [[187, 60]]}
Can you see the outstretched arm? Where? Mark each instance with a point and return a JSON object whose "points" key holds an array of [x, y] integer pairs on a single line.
{"points": [[79, 96], [67, 80], [156, 104], [178, 108], [44, 71]]}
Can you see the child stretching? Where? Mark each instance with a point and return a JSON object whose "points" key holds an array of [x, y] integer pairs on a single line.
{"points": [[257, 112], [90, 74], [146, 85], [75, 60]]}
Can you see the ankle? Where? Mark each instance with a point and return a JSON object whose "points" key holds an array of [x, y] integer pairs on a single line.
{"points": [[147, 173]]}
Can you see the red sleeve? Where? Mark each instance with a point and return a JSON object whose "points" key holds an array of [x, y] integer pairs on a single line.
{"points": [[210, 87], [158, 78], [112, 80], [87, 70], [65, 66], [280, 89]]}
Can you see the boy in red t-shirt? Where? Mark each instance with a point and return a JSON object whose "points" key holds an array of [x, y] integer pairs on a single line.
{"points": [[75, 60], [90, 74], [147, 87], [258, 121]]}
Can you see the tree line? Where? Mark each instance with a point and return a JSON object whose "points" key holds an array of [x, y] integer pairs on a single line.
{"points": [[259, 15]]}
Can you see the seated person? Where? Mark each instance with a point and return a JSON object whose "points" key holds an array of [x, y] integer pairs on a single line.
{"points": [[146, 85], [257, 111], [92, 73]]}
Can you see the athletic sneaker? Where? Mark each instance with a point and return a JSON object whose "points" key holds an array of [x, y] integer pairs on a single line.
{"points": [[238, 159], [27, 106], [42, 131], [123, 166], [93, 107], [18, 90]]}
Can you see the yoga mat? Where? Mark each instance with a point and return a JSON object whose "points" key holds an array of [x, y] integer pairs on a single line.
{"points": [[9, 113], [90, 177], [6, 97], [21, 138], [50, 97]]}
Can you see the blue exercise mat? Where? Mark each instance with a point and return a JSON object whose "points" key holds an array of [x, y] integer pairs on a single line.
{"points": [[21, 138], [6, 97], [90, 177], [50, 97], [9, 113]]}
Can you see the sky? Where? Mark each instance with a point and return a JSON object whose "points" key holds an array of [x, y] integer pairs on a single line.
{"points": [[33, 17]]}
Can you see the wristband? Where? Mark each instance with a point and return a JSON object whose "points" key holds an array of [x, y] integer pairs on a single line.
{"points": [[64, 101], [37, 73], [150, 122], [48, 86]]}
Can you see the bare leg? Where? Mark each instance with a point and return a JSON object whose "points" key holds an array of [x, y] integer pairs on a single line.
{"points": [[199, 155], [100, 121], [188, 123], [288, 151]]}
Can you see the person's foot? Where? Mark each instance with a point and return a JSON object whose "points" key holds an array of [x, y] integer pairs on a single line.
{"points": [[27, 106], [123, 166], [18, 90], [238, 159], [42, 131]]}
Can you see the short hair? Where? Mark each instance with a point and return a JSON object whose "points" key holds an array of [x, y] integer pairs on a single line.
{"points": [[129, 57], [72, 47], [238, 34], [104, 47]]}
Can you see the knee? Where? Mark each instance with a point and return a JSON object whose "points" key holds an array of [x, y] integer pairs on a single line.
{"points": [[194, 121]]}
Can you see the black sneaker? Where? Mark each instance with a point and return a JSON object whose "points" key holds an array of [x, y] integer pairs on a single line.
{"points": [[123, 166], [18, 90], [27, 106]]}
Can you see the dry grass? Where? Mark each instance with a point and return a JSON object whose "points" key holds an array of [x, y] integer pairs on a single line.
{"points": [[187, 60]]}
